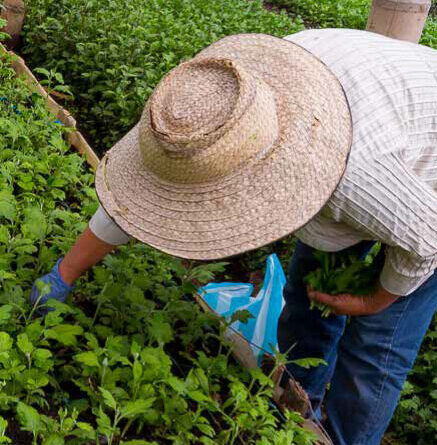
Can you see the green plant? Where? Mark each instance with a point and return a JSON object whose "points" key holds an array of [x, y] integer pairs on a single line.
{"points": [[135, 360], [414, 420], [3, 425], [52, 431], [53, 83], [134, 323], [343, 273], [329, 13], [113, 53], [3, 35]]}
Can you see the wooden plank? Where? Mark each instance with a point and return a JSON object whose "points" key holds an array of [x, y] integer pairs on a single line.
{"points": [[75, 138]]}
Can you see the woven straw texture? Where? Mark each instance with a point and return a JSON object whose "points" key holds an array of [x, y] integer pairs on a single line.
{"points": [[235, 149]]}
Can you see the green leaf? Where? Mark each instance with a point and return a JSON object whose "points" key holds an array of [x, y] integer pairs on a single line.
{"points": [[42, 358], [157, 364], [262, 378], [243, 316], [202, 379], [160, 330], [178, 385], [65, 334], [138, 442], [4, 234], [206, 272], [208, 430], [132, 409], [5, 342], [7, 205], [85, 426], [35, 224], [5, 313], [29, 418], [135, 349], [309, 362], [3, 426], [137, 370], [61, 308], [42, 71], [54, 439], [58, 77], [104, 423], [24, 344], [88, 358], [198, 396], [108, 398]]}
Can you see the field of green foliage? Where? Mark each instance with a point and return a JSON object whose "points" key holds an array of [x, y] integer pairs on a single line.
{"points": [[135, 361]]}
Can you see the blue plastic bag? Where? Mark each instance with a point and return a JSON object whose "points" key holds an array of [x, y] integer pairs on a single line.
{"points": [[261, 330]]}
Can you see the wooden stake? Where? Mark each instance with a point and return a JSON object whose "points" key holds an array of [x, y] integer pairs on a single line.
{"points": [[399, 19], [13, 12]]}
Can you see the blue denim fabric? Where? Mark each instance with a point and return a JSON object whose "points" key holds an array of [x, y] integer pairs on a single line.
{"points": [[368, 358]]}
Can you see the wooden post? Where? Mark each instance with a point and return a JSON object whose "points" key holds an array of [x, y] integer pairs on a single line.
{"points": [[400, 19], [13, 12]]}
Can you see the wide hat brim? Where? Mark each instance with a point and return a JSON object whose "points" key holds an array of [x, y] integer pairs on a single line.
{"points": [[265, 199]]}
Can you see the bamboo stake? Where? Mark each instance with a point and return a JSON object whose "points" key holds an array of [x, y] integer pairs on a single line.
{"points": [[399, 19]]}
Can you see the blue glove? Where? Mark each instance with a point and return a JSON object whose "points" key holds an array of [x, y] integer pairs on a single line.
{"points": [[59, 290]]}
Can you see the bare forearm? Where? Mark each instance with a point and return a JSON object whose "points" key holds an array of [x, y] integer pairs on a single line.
{"points": [[86, 252]]}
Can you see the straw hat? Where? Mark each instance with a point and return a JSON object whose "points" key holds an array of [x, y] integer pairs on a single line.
{"points": [[236, 148]]}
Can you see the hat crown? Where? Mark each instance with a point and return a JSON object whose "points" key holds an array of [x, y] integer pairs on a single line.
{"points": [[207, 118], [193, 103]]}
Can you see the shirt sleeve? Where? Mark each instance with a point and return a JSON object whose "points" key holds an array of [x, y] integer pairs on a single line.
{"points": [[106, 230], [386, 200], [404, 273]]}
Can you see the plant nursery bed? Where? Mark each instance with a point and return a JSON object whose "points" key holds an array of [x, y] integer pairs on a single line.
{"points": [[131, 359], [136, 309]]}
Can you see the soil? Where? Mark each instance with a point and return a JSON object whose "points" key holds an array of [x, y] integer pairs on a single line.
{"points": [[18, 436], [275, 8], [271, 7]]}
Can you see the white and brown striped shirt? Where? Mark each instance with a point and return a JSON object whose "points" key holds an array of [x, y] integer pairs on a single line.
{"points": [[389, 190]]}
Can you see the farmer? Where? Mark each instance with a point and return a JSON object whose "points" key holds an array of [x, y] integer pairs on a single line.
{"points": [[328, 134]]}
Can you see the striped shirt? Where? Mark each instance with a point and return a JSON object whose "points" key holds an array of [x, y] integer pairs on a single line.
{"points": [[389, 189]]}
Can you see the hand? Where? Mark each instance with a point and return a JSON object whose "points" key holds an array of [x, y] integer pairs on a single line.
{"points": [[59, 289], [346, 304]]}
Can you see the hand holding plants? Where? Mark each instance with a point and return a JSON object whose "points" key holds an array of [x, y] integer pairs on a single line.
{"points": [[354, 305], [347, 282]]}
